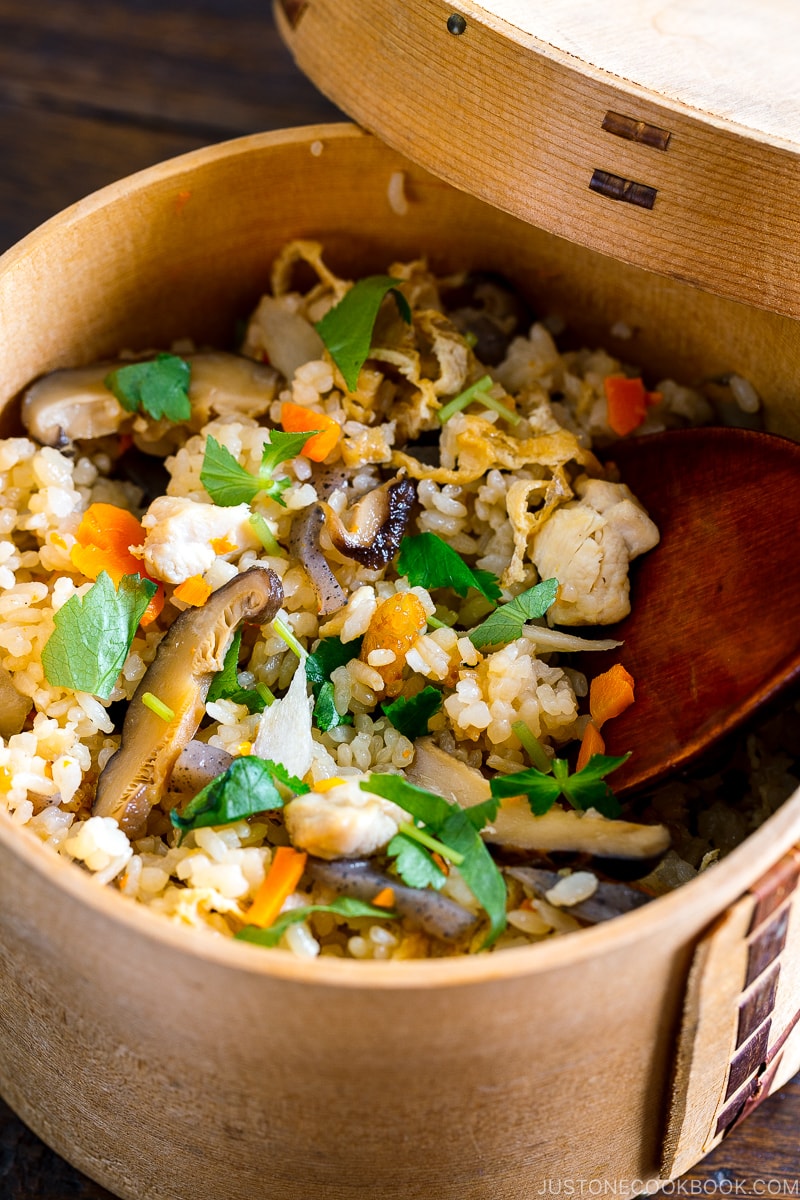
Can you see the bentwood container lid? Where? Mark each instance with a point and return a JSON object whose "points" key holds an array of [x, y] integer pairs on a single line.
{"points": [[665, 133]]}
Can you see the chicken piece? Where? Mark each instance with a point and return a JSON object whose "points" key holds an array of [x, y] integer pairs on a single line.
{"points": [[587, 545], [184, 537], [342, 821]]}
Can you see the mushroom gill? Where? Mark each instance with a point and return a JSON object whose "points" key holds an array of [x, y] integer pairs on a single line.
{"points": [[135, 779], [379, 522]]}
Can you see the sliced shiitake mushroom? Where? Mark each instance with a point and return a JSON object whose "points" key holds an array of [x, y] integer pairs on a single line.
{"points": [[191, 653], [379, 522], [607, 901], [74, 404], [559, 830], [197, 765], [485, 306], [14, 707], [435, 914]]}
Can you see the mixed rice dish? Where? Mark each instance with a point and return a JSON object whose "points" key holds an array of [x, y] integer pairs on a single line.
{"points": [[288, 636]]}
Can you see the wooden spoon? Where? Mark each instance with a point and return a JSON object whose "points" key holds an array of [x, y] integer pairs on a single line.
{"points": [[714, 633]]}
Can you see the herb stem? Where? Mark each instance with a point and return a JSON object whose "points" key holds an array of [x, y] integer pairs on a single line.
{"points": [[533, 748], [478, 392], [266, 695], [283, 631], [425, 839], [158, 707], [265, 535], [464, 398], [498, 406]]}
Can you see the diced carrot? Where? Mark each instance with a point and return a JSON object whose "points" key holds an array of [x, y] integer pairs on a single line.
{"points": [[194, 591], [441, 863], [592, 744], [297, 419], [325, 785], [103, 543], [610, 694], [282, 878], [384, 898], [221, 545], [627, 401]]}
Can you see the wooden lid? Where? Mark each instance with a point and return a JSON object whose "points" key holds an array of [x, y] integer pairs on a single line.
{"points": [[663, 132]]}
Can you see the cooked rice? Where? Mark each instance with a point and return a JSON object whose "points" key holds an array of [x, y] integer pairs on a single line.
{"points": [[48, 771]]}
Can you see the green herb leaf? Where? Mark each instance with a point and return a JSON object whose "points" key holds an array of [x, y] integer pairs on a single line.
{"points": [[248, 786], [159, 387], [228, 483], [414, 864], [505, 623], [458, 829], [326, 714], [225, 481], [225, 684], [585, 789], [280, 448], [343, 906], [346, 329], [427, 560], [541, 790], [93, 634], [331, 653], [478, 870], [410, 715]]}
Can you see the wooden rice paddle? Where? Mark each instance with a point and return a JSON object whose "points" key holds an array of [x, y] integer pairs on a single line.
{"points": [[715, 630]]}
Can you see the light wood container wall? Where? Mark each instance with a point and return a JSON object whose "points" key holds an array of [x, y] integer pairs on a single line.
{"points": [[172, 1065]]}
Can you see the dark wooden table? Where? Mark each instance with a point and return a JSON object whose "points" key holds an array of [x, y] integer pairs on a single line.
{"points": [[90, 92]]}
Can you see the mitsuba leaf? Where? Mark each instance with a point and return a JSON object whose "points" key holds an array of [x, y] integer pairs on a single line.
{"points": [[331, 653], [88, 647], [583, 789], [228, 483], [326, 714], [457, 830], [541, 789], [587, 788], [414, 864], [248, 786], [225, 684], [159, 387], [346, 329], [343, 906], [410, 715], [505, 623], [427, 560]]}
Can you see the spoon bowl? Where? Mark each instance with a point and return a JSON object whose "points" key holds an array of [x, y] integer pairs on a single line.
{"points": [[714, 634]]}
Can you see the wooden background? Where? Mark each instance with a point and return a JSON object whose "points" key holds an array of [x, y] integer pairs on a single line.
{"points": [[90, 92]]}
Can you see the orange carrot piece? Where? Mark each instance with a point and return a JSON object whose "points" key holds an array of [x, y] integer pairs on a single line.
{"points": [[384, 898], [194, 591], [627, 402], [297, 419], [442, 863], [222, 545], [592, 743], [282, 878], [103, 541], [610, 694]]}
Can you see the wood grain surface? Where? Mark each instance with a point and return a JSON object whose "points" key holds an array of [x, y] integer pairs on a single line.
{"points": [[90, 93]]}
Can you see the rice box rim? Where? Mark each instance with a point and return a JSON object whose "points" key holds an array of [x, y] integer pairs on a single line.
{"points": [[711, 892], [122, 190]]}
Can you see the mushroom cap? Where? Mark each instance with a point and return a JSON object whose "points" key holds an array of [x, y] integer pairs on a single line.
{"points": [[193, 650]]}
